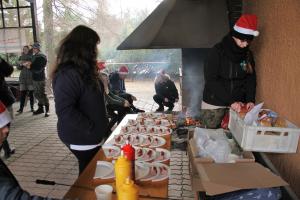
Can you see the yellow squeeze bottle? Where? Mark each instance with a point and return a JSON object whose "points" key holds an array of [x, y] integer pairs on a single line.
{"points": [[128, 191], [122, 170]]}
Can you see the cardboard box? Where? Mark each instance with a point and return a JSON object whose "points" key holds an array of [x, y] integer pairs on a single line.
{"points": [[215, 178], [228, 177], [247, 155]]}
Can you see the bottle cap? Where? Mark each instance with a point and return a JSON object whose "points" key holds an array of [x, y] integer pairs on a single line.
{"points": [[129, 151]]}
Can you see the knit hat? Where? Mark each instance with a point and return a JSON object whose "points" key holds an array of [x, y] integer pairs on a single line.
{"points": [[100, 65], [246, 27], [123, 70], [36, 45], [5, 117]]}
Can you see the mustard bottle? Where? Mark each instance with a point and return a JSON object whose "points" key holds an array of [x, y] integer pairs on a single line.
{"points": [[128, 191], [122, 170]]}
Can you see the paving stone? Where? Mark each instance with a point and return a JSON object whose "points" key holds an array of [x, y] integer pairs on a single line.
{"points": [[185, 167], [174, 198], [175, 181], [188, 198], [187, 172], [175, 167], [175, 193], [174, 176], [176, 160], [187, 177], [187, 187], [175, 171], [187, 194], [186, 182], [175, 187], [172, 163]]}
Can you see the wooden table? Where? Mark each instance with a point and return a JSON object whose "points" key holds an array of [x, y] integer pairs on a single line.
{"points": [[84, 186]]}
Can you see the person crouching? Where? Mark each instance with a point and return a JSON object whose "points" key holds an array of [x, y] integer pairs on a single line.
{"points": [[166, 92]]}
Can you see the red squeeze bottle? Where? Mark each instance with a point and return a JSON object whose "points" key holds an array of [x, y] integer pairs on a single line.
{"points": [[129, 153]]}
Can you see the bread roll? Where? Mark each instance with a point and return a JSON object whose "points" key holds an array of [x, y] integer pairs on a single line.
{"points": [[280, 122], [267, 121]]}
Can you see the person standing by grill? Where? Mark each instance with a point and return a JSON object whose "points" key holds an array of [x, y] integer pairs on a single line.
{"points": [[37, 67], [25, 79], [79, 95], [229, 73]]}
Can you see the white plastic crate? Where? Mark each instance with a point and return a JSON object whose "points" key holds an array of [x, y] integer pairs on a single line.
{"points": [[264, 139]]}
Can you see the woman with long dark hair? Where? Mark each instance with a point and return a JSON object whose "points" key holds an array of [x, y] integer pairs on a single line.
{"points": [[79, 95]]}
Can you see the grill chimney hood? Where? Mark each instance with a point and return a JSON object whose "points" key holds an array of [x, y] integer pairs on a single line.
{"points": [[181, 24]]}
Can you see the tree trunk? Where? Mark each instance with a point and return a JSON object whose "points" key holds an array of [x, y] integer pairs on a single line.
{"points": [[48, 36], [48, 31]]}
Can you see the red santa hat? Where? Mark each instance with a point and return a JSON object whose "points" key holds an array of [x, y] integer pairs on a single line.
{"points": [[100, 65], [123, 70], [5, 117], [246, 27]]}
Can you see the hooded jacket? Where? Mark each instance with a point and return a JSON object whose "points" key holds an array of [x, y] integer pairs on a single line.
{"points": [[226, 79]]}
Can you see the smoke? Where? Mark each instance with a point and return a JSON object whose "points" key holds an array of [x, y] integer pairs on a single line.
{"points": [[193, 78], [194, 81]]}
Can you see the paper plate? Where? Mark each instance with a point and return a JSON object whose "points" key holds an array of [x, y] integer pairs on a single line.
{"points": [[128, 128], [111, 151], [135, 140], [157, 142], [163, 172], [147, 141], [104, 170], [142, 129], [142, 169], [162, 130], [153, 172], [162, 155], [119, 140], [144, 154], [132, 122]]}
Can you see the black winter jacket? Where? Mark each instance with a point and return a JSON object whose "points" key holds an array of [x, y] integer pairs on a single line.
{"points": [[10, 188], [117, 85], [39, 62], [226, 81], [80, 109], [6, 96], [167, 90]]}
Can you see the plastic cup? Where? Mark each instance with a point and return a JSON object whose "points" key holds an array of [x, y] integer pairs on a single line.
{"points": [[104, 192]]}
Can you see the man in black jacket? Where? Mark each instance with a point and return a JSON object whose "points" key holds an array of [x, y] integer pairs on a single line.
{"points": [[7, 97], [37, 67], [117, 87], [9, 187], [166, 92]]}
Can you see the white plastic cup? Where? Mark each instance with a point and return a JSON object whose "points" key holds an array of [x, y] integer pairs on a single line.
{"points": [[104, 192]]}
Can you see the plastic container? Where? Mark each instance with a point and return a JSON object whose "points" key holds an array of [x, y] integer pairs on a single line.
{"points": [[264, 139], [122, 170]]}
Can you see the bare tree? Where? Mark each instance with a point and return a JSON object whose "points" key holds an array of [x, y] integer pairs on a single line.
{"points": [[48, 31]]}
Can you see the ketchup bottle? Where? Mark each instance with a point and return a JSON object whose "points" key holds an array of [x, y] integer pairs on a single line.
{"points": [[129, 153]]}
